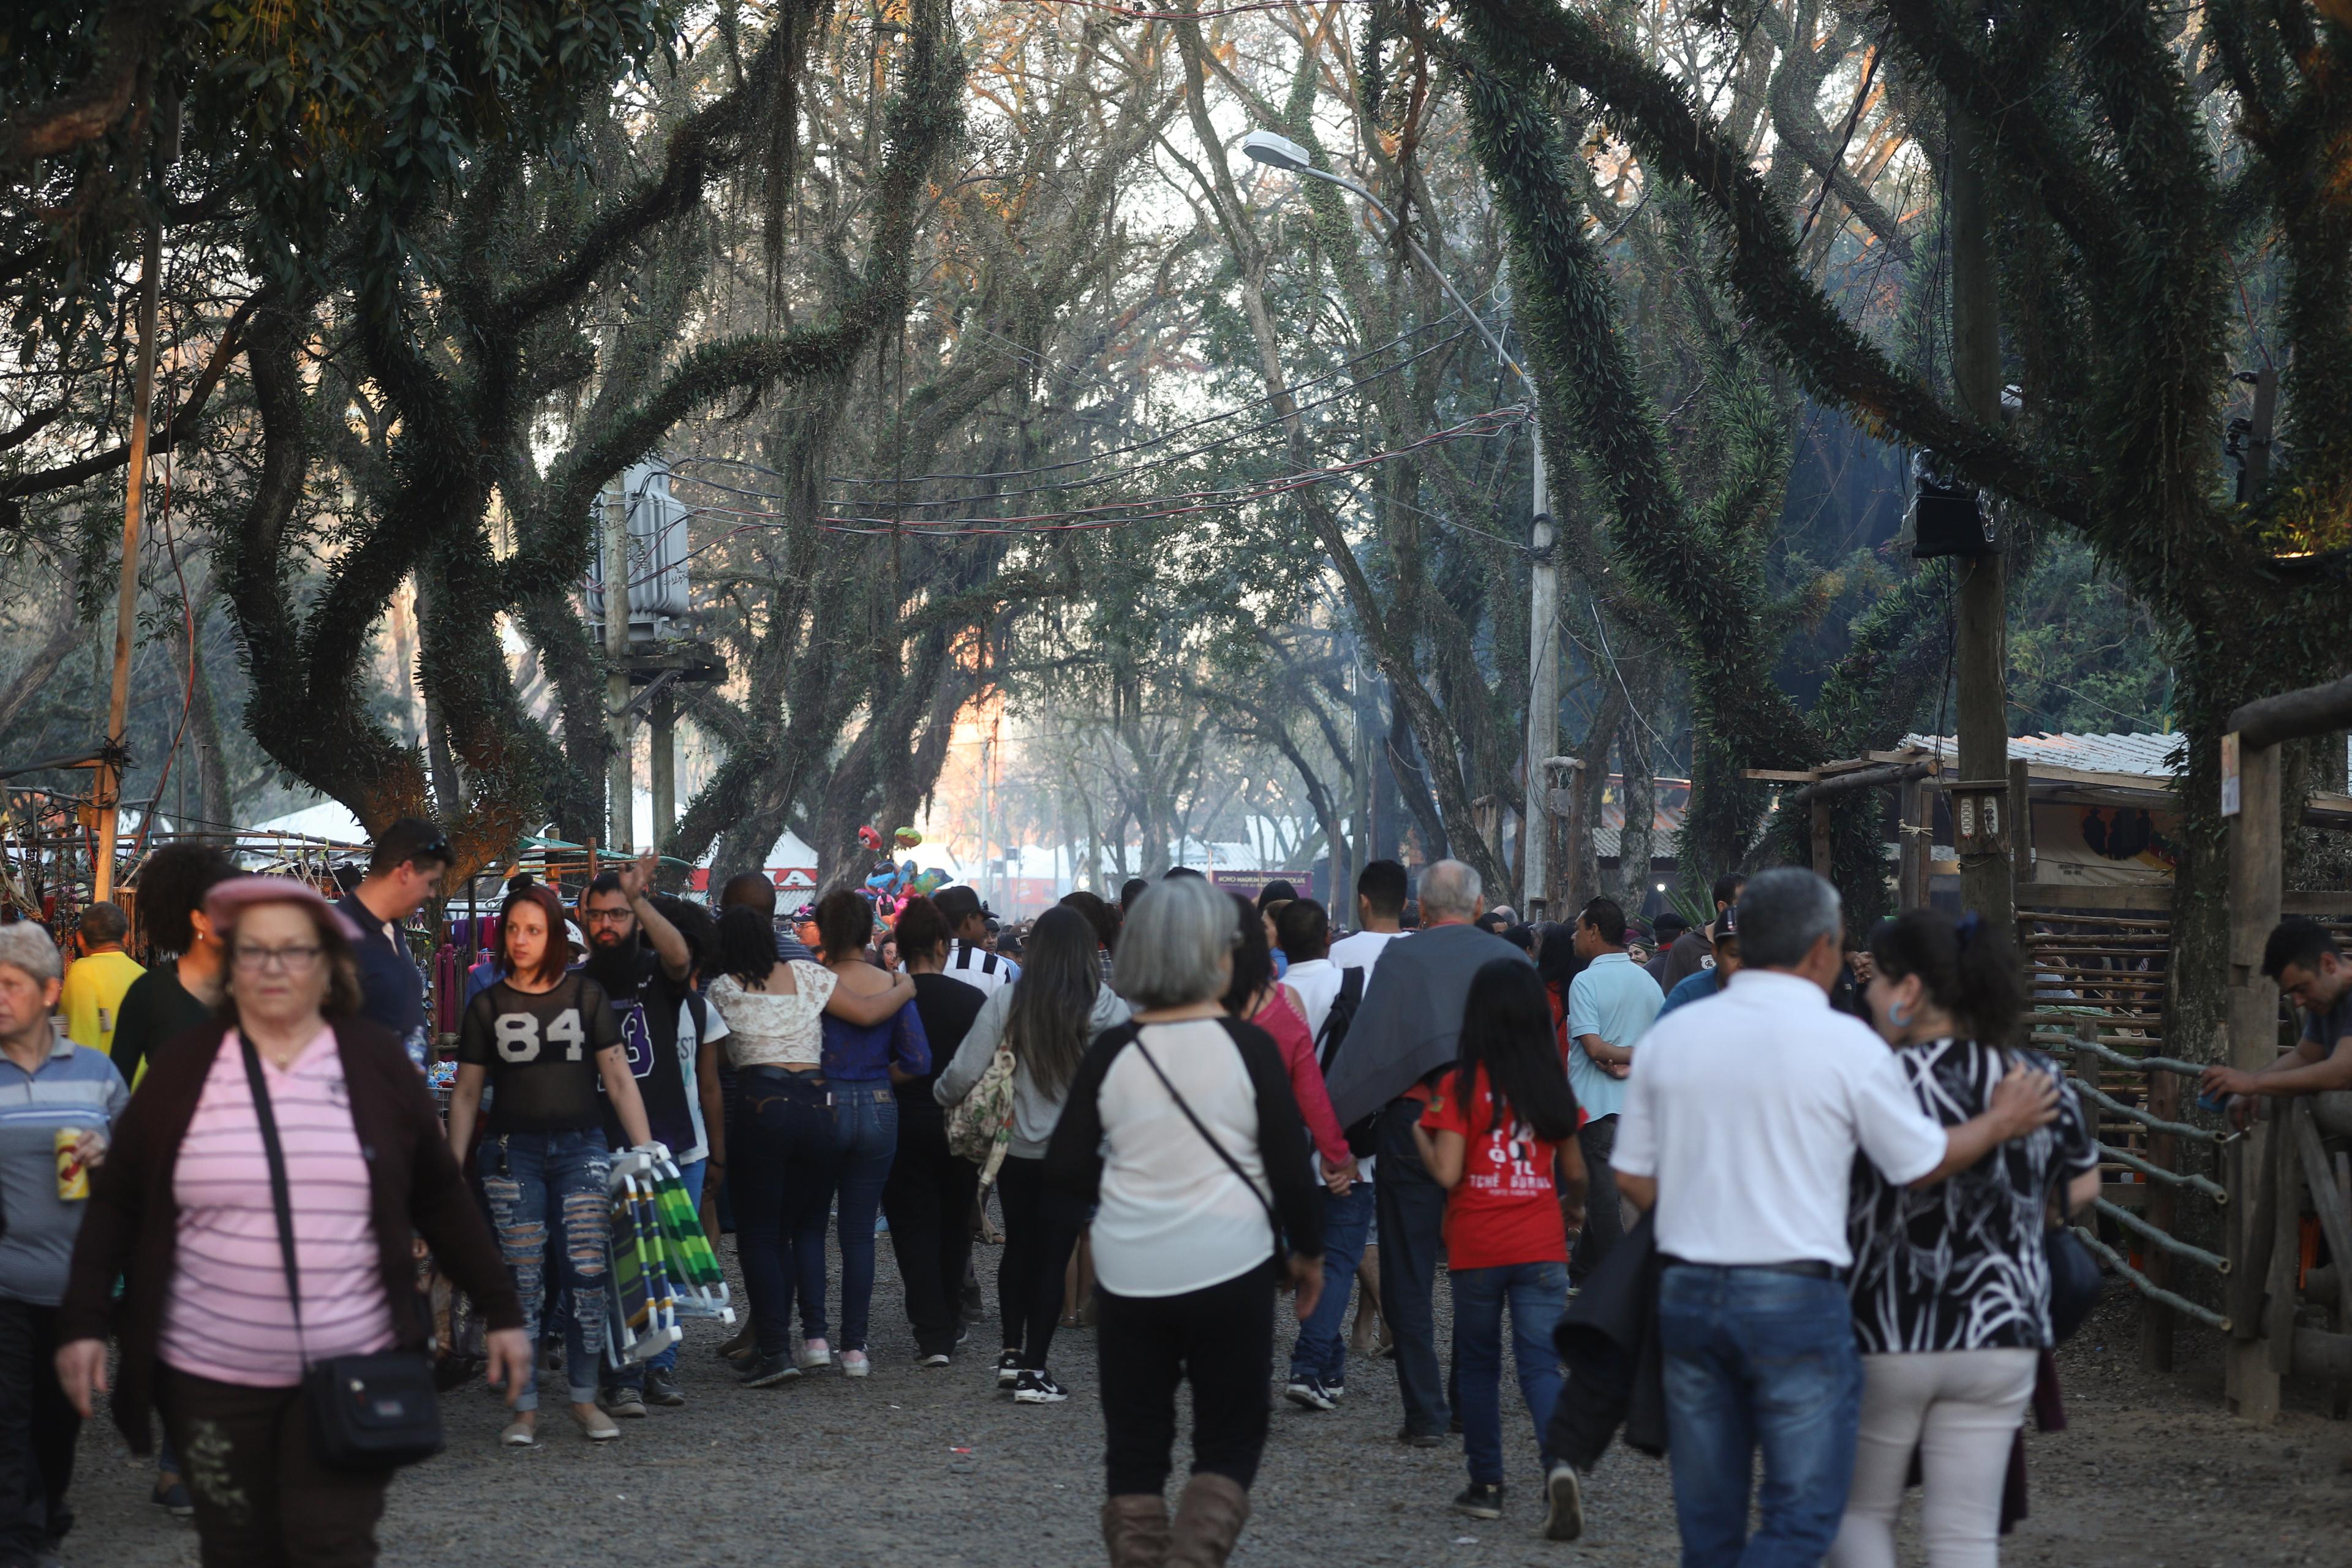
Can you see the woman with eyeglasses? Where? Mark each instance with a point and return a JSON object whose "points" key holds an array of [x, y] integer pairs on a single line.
{"points": [[182, 1214], [544, 1039]]}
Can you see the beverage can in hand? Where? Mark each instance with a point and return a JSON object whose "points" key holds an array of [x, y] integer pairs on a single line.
{"points": [[73, 1176]]}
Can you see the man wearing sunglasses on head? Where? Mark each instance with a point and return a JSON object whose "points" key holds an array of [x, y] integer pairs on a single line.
{"points": [[404, 870]]}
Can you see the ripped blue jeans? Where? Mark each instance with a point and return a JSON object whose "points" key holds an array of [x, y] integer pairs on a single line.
{"points": [[539, 1184]]}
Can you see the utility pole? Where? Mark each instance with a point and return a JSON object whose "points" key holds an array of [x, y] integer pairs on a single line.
{"points": [[985, 880], [619, 788], [107, 790], [1543, 690], [1981, 658], [664, 726]]}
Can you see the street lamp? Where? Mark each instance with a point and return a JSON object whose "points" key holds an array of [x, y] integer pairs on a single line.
{"points": [[1278, 152]]}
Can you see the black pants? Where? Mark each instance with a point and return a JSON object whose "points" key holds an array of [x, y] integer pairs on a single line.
{"points": [[1412, 1209], [1604, 1218], [1041, 1228], [1221, 1340], [37, 1429], [928, 1199], [263, 1499]]}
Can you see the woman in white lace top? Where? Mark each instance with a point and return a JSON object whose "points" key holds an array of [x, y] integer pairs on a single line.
{"points": [[781, 1128]]}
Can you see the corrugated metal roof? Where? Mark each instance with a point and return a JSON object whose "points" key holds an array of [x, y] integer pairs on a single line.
{"points": [[2152, 756]]}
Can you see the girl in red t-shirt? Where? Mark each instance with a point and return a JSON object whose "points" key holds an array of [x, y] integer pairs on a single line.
{"points": [[1496, 1133]]}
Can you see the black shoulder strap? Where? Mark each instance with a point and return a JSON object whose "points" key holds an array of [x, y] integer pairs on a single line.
{"points": [[1341, 1015], [279, 1198], [1202, 1128]]}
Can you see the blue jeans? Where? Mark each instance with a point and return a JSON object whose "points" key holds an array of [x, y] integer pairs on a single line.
{"points": [[1538, 1294], [1757, 1360], [1412, 1209], [666, 1360], [535, 1181], [865, 1117], [780, 1167], [1321, 1350]]}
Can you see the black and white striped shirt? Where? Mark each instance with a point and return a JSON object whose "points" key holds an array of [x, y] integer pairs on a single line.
{"points": [[986, 971]]}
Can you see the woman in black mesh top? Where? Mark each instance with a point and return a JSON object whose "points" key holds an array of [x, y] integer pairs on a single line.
{"points": [[542, 1039]]}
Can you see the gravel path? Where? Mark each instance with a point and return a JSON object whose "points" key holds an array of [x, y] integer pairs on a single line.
{"points": [[933, 1466]]}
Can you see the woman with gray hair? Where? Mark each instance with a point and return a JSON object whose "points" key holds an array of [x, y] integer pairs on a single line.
{"points": [[1181, 1124]]}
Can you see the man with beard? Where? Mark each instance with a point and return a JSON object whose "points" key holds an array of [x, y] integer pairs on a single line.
{"points": [[642, 962]]}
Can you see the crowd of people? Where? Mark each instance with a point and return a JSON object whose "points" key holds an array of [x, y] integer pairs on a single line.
{"points": [[1757, 1190]]}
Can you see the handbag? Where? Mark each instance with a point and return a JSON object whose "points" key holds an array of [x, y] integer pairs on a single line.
{"points": [[979, 1125], [367, 1412], [2074, 1281], [1281, 1244]]}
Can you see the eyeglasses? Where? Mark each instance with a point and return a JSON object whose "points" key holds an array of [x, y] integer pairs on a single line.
{"points": [[287, 960], [608, 917]]}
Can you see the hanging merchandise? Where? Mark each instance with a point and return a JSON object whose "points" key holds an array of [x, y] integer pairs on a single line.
{"points": [[662, 1265]]}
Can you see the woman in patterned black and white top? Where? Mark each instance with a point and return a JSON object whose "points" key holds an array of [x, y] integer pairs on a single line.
{"points": [[1951, 1284]]}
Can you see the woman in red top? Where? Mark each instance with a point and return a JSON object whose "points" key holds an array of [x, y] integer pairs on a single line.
{"points": [[1494, 1135], [1256, 995]]}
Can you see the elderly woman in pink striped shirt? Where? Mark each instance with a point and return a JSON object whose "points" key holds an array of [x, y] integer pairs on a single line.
{"points": [[182, 1211]]}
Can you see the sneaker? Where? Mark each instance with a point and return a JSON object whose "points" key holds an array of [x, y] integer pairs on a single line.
{"points": [[970, 1298], [767, 1370], [1336, 1390], [518, 1434], [1033, 1386], [621, 1400], [1008, 1368], [937, 1358], [662, 1389], [594, 1424], [1412, 1440], [1481, 1499], [1309, 1394], [1563, 1503], [174, 1500], [814, 1355], [964, 1334], [854, 1363]]}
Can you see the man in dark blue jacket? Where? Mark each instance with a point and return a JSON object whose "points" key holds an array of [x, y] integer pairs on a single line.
{"points": [[404, 869]]}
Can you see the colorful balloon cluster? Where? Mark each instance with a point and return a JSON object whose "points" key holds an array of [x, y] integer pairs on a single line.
{"points": [[890, 885]]}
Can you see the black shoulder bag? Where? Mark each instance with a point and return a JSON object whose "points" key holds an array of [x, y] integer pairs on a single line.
{"points": [[1281, 1245], [367, 1412]]}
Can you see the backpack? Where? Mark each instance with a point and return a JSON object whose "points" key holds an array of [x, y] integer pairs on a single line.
{"points": [[979, 1125], [1363, 1134]]}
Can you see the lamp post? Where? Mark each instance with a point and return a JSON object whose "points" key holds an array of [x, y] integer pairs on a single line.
{"points": [[1543, 611]]}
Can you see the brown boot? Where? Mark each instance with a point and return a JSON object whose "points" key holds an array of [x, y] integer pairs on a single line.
{"points": [[1135, 1527], [1209, 1518]]}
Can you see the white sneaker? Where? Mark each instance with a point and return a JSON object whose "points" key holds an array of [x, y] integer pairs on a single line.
{"points": [[854, 1363], [1035, 1387], [1563, 1503], [814, 1355]]}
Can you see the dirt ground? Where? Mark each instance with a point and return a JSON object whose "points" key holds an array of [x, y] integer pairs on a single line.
{"points": [[933, 1466]]}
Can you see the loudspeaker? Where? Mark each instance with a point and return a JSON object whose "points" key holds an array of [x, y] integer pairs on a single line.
{"points": [[1946, 515]]}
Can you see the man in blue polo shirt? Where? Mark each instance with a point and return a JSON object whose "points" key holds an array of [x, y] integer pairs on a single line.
{"points": [[53, 1094], [1611, 1005], [404, 870]]}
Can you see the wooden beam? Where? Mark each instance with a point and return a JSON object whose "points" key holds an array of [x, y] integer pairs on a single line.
{"points": [[2020, 823], [2293, 715], [1866, 778], [1781, 775]]}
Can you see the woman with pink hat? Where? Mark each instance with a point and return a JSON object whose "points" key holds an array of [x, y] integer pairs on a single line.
{"points": [[186, 1212]]}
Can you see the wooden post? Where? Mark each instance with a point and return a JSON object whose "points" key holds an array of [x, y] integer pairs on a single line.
{"points": [[1982, 634], [1821, 838], [2254, 870], [2020, 822], [1910, 865]]}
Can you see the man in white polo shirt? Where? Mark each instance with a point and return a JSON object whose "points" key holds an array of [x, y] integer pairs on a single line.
{"points": [[1741, 1122]]}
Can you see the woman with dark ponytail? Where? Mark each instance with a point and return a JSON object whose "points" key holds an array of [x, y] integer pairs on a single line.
{"points": [[1951, 1282]]}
